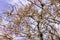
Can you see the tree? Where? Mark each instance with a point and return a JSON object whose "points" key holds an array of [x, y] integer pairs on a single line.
{"points": [[33, 24]]}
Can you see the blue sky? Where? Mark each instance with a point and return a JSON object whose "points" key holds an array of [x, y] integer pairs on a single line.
{"points": [[4, 5]]}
